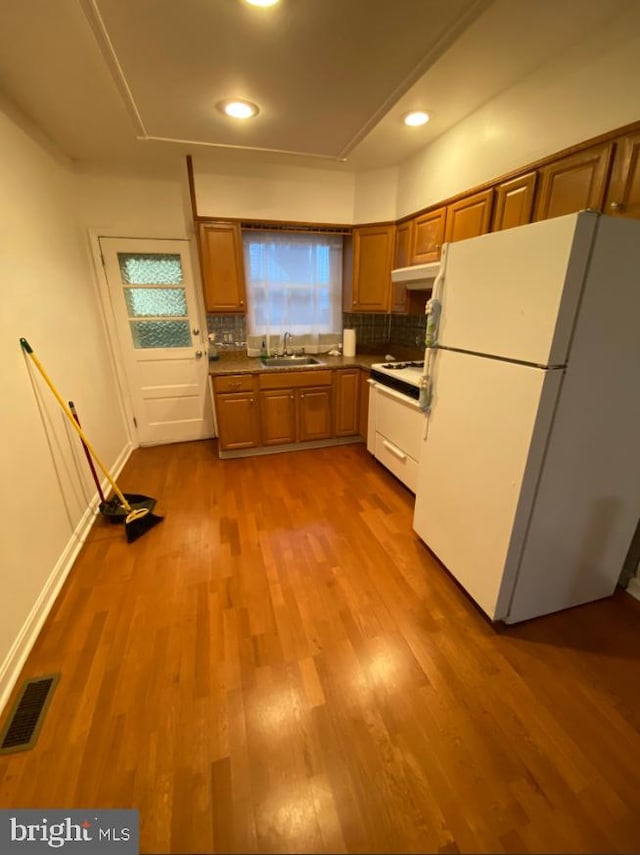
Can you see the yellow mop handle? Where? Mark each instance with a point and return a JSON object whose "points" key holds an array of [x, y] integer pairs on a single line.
{"points": [[29, 350]]}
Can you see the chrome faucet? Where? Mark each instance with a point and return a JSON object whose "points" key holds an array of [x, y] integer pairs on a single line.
{"points": [[285, 340]]}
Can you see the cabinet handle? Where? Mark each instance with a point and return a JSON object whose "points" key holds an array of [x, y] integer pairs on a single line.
{"points": [[291, 396], [616, 206]]}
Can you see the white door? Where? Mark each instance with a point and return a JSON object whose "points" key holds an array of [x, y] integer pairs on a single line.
{"points": [[152, 294], [514, 293], [479, 467]]}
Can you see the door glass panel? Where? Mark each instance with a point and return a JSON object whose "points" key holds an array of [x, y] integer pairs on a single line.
{"points": [[155, 302], [160, 334], [149, 283], [137, 268]]}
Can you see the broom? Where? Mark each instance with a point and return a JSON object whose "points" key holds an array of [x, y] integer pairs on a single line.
{"points": [[138, 520]]}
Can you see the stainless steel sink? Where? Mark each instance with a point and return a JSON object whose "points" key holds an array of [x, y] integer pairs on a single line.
{"points": [[282, 361]]}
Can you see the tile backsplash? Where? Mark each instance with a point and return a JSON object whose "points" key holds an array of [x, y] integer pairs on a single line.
{"points": [[372, 330], [230, 330]]}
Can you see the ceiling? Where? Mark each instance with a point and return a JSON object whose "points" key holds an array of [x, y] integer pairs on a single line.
{"points": [[137, 81]]}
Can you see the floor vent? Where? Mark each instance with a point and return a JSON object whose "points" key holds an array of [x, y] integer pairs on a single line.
{"points": [[25, 720]]}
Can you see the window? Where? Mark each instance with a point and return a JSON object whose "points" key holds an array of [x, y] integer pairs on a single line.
{"points": [[294, 282]]}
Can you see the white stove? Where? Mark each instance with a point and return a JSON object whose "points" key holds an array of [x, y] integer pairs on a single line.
{"points": [[396, 421], [404, 377]]}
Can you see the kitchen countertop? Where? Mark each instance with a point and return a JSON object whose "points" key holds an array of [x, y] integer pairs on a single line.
{"points": [[237, 362]]}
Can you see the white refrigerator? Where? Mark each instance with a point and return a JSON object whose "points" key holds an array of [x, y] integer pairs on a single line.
{"points": [[528, 485]]}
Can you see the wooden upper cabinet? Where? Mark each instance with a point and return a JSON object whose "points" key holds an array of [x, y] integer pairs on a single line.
{"points": [[401, 258], [469, 217], [513, 202], [427, 236], [623, 196], [373, 248], [573, 183], [222, 267]]}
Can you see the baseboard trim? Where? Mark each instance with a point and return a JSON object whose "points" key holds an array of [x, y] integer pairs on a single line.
{"points": [[633, 587], [294, 446], [15, 660]]}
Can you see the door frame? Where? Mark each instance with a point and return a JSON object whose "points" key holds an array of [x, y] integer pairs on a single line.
{"points": [[110, 323]]}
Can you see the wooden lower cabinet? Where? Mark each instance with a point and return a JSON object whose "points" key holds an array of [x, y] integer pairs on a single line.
{"points": [[296, 406], [289, 408], [236, 412], [295, 415], [278, 416], [347, 401], [314, 414], [363, 421]]}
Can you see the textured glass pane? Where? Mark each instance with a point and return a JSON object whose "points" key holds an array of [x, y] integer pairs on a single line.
{"points": [[160, 333], [139, 268], [155, 302]]}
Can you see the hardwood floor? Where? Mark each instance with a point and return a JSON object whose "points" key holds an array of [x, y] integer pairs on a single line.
{"points": [[282, 666]]}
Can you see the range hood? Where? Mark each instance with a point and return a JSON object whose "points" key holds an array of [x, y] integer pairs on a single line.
{"points": [[419, 277]]}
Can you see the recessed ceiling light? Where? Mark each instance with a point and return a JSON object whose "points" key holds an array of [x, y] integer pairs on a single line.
{"points": [[238, 108], [261, 2], [419, 117]]}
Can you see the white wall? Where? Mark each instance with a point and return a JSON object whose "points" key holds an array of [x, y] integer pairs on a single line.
{"points": [[48, 296], [135, 204], [585, 92], [375, 195], [275, 192]]}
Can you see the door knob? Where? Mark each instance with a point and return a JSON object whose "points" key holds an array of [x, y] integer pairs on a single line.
{"points": [[615, 206], [199, 354]]}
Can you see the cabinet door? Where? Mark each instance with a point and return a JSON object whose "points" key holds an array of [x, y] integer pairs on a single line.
{"points": [[222, 267], [364, 404], [347, 401], [513, 202], [314, 414], [401, 259], [573, 183], [372, 257], [278, 416], [469, 217], [427, 236], [237, 419], [623, 198]]}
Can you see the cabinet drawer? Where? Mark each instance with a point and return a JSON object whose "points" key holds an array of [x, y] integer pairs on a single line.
{"points": [[404, 467], [294, 379], [233, 383]]}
